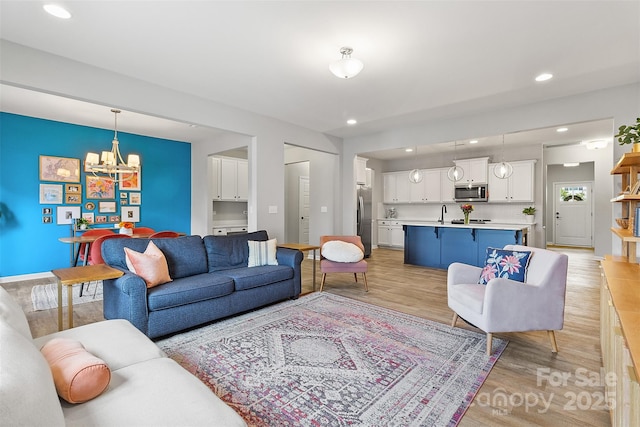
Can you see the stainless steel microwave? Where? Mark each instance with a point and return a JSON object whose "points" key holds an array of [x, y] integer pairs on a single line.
{"points": [[471, 193]]}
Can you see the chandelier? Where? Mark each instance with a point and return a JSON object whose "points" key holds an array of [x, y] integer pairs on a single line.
{"points": [[347, 67], [111, 162]]}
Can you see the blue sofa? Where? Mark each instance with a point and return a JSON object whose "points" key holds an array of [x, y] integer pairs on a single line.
{"points": [[211, 280]]}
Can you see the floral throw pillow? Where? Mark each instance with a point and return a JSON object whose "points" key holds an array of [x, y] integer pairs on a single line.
{"points": [[506, 264]]}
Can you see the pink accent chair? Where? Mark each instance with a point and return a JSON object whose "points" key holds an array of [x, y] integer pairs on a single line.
{"points": [[504, 305], [163, 234], [143, 230], [327, 266], [83, 246]]}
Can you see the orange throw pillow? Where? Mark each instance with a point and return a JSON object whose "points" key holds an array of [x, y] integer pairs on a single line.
{"points": [[150, 265], [78, 375]]}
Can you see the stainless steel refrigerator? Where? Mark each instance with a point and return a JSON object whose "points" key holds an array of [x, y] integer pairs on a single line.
{"points": [[364, 216]]}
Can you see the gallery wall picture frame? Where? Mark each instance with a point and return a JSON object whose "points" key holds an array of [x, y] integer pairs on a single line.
{"points": [[89, 217], [89, 206], [130, 181], [107, 207], [47, 219], [61, 169], [100, 187], [130, 213], [101, 219], [47, 211], [66, 214], [114, 218], [135, 198], [51, 194], [124, 195], [73, 188], [73, 199]]}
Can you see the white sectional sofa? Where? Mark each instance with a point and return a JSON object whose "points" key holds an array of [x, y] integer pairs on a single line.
{"points": [[146, 387]]}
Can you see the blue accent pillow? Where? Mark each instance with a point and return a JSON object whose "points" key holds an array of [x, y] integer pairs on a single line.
{"points": [[505, 264]]}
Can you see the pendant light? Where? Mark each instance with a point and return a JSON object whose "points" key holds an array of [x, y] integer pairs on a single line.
{"points": [[503, 170], [416, 175], [455, 173]]}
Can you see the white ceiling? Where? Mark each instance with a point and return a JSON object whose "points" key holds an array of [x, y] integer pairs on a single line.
{"points": [[423, 59]]}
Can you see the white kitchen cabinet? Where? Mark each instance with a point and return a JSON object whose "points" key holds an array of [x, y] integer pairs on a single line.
{"points": [[519, 187], [427, 190], [361, 171], [234, 179], [475, 170], [214, 178], [390, 233], [447, 187], [396, 187]]}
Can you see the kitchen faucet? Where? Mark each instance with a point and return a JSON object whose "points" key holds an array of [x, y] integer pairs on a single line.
{"points": [[443, 211]]}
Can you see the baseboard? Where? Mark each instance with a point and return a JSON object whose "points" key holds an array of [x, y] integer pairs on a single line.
{"points": [[22, 277]]}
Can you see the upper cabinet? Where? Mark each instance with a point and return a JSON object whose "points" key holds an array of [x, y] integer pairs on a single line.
{"points": [[396, 187], [519, 187], [475, 170], [427, 190], [230, 179], [447, 187], [361, 171]]}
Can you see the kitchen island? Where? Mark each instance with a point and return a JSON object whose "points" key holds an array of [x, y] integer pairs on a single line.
{"points": [[436, 245]]}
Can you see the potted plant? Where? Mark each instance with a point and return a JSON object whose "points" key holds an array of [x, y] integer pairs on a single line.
{"points": [[530, 213], [630, 135], [83, 223]]}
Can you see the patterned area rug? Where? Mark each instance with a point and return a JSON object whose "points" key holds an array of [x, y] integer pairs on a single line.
{"points": [[326, 360], [45, 297]]}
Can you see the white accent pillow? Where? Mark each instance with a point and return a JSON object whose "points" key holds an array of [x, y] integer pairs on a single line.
{"points": [[262, 253], [339, 251]]}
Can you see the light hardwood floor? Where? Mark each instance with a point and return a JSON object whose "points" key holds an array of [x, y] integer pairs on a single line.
{"points": [[515, 393]]}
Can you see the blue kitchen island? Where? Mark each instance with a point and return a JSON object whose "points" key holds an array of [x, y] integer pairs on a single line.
{"points": [[436, 245]]}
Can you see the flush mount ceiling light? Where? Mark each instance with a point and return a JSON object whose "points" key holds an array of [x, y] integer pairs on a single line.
{"points": [[595, 145], [110, 162], [455, 172], [416, 175], [503, 170], [473, 141], [544, 77], [560, 130], [571, 164], [57, 11], [352, 122], [347, 67]]}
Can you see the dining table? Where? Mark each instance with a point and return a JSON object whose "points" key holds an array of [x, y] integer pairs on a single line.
{"points": [[79, 240]]}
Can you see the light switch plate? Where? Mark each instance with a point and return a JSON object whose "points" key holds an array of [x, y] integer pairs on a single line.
{"points": [[273, 209], [323, 209]]}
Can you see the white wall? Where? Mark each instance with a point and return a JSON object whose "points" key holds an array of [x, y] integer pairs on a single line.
{"points": [[622, 104]]}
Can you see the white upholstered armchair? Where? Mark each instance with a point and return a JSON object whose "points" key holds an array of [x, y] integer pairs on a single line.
{"points": [[505, 305]]}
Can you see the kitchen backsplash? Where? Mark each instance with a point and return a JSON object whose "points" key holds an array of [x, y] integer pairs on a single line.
{"points": [[499, 213]]}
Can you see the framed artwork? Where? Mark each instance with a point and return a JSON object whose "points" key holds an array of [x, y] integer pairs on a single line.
{"points": [[100, 219], [47, 219], [66, 214], [73, 199], [51, 194], [47, 211], [100, 187], [89, 206], [61, 169], [114, 218], [106, 207], [130, 213], [123, 195], [88, 216], [130, 181], [73, 188], [135, 198]]}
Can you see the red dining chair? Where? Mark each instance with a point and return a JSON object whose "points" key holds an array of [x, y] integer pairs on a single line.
{"points": [[164, 234], [83, 246], [95, 254], [143, 230]]}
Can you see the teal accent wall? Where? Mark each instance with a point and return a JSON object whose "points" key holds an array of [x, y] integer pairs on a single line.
{"points": [[27, 245]]}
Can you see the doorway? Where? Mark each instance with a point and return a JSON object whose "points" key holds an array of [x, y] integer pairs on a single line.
{"points": [[297, 215], [303, 209], [573, 219]]}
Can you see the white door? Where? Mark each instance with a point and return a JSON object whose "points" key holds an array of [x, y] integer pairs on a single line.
{"points": [[573, 223], [303, 209]]}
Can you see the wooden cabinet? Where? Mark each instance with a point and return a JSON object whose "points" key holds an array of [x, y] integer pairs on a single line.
{"points": [[475, 170], [396, 187], [390, 233], [519, 187], [234, 179], [427, 190], [628, 167]]}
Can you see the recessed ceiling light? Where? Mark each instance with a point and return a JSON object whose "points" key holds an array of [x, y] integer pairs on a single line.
{"points": [[562, 130], [473, 141], [571, 164], [352, 121], [57, 11], [544, 77], [408, 150]]}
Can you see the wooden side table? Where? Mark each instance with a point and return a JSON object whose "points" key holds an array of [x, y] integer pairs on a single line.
{"points": [[303, 247], [74, 275]]}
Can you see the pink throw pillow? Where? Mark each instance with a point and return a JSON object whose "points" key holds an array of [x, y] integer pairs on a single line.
{"points": [[150, 265], [79, 376]]}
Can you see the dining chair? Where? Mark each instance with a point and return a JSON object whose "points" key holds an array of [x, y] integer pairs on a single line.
{"points": [[143, 230], [85, 248], [164, 234], [329, 266], [95, 255]]}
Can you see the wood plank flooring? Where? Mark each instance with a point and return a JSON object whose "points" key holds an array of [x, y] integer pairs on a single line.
{"points": [[515, 393]]}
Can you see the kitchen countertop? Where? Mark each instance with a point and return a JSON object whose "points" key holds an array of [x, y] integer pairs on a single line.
{"points": [[487, 225]]}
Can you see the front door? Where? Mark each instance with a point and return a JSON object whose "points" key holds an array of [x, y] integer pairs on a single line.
{"points": [[573, 222]]}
